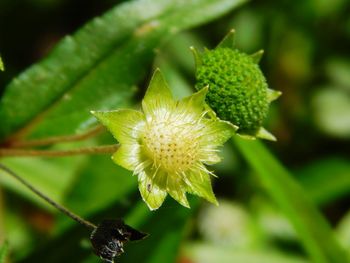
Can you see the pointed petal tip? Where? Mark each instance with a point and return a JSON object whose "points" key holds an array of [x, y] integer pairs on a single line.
{"points": [[228, 41], [196, 56], [97, 113], [157, 70], [186, 204], [158, 94], [157, 73], [213, 200], [234, 128], [203, 90], [265, 134], [152, 208], [257, 56], [273, 94], [246, 136]]}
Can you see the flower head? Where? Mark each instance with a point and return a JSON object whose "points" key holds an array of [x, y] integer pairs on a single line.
{"points": [[168, 144], [238, 91]]}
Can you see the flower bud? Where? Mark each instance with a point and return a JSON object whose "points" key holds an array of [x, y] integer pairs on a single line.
{"points": [[238, 91]]}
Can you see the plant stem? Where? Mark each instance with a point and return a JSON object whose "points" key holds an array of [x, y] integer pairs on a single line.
{"points": [[49, 200], [56, 139], [8, 152]]}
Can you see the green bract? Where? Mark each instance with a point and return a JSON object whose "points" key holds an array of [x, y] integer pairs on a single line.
{"points": [[168, 144], [238, 91]]}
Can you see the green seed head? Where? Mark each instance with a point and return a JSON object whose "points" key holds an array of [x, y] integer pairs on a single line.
{"points": [[238, 91], [237, 88]]}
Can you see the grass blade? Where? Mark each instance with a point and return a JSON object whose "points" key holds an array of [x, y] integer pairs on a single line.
{"points": [[312, 228]]}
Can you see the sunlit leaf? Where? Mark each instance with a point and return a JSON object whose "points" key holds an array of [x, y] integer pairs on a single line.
{"points": [[98, 66], [313, 230]]}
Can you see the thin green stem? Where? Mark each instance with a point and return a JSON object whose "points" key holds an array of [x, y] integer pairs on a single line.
{"points": [[8, 152], [47, 199]]}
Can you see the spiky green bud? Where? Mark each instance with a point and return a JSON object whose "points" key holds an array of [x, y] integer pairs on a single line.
{"points": [[238, 91]]}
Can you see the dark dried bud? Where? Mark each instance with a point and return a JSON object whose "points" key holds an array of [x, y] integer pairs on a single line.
{"points": [[109, 237]]}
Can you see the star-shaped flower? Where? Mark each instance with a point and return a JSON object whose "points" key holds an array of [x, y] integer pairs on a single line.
{"points": [[169, 144]]}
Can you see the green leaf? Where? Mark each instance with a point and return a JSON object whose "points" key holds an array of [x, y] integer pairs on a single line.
{"points": [[198, 252], [2, 68], [161, 246], [165, 236], [19, 234], [53, 177], [67, 245], [343, 231], [101, 183], [178, 83], [97, 67], [313, 230], [3, 252], [326, 180]]}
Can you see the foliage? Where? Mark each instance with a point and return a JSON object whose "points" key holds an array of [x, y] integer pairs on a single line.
{"points": [[290, 210]]}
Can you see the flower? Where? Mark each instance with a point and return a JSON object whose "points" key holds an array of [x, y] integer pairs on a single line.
{"points": [[169, 144], [238, 91]]}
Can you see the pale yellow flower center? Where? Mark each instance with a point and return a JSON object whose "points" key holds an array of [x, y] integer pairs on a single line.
{"points": [[172, 144]]}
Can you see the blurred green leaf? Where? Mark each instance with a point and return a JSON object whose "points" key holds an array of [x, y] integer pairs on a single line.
{"points": [[338, 70], [2, 68], [326, 8], [18, 234], [165, 236], [343, 231], [72, 243], [331, 110], [53, 177], [248, 25], [161, 246], [326, 180], [3, 252], [229, 225], [97, 67], [177, 82], [204, 253], [313, 230], [101, 183], [178, 53]]}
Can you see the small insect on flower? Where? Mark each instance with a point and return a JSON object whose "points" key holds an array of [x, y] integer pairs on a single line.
{"points": [[169, 144]]}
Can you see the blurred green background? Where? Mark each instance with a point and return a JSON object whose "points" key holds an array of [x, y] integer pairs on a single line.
{"points": [[307, 57]]}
